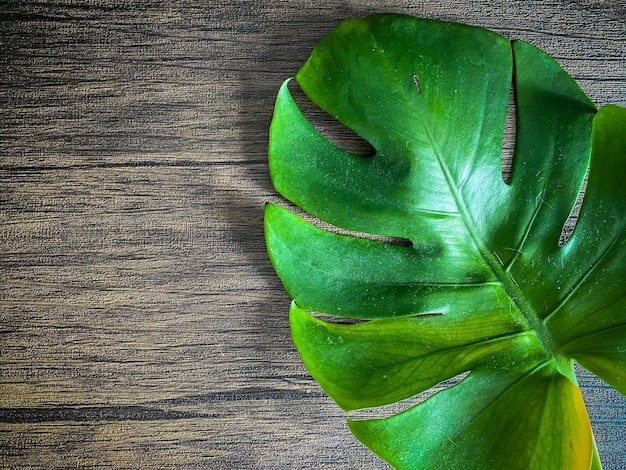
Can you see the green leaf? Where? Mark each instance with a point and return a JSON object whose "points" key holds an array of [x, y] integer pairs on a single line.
{"points": [[482, 289]]}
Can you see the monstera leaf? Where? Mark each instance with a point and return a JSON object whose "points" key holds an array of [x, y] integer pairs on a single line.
{"points": [[479, 285]]}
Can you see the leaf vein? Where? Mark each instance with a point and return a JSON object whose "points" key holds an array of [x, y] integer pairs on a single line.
{"points": [[581, 280]]}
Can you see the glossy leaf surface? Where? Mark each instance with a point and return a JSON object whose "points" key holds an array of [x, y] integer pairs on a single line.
{"points": [[483, 287]]}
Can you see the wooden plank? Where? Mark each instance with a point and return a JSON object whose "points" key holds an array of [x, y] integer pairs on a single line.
{"points": [[141, 324]]}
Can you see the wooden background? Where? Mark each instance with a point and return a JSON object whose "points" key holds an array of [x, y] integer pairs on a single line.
{"points": [[141, 324]]}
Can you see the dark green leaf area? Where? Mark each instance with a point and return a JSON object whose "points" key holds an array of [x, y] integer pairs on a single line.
{"points": [[362, 278], [590, 325], [483, 287]]}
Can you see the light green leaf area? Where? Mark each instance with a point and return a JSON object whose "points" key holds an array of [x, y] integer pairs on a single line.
{"points": [[483, 288]]}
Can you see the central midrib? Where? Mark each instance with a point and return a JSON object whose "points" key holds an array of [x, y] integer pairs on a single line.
{"points": [[527, 315]]}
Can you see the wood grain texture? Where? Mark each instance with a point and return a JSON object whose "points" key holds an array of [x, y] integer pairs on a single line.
{"points": [[141, 324]]}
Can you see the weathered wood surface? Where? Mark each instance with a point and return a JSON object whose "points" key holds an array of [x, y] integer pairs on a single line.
{"points": [[141, 324]]}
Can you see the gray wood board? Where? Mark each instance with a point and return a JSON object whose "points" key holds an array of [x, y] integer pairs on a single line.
{"points": [[141, 324]]}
